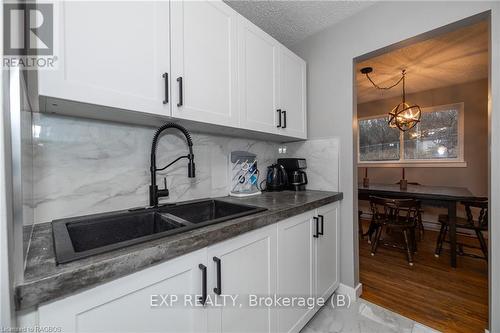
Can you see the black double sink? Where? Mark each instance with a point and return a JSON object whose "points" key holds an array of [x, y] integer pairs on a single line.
{"points": [[80, 237]]}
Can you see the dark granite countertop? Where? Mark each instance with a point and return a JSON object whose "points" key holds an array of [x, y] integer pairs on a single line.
{"points": [[45, 281]]}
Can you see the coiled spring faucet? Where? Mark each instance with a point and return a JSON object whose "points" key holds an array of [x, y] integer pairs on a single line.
{"points": [[154, 192]]}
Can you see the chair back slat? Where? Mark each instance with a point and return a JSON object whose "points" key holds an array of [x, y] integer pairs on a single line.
{"points": [[392, 211], [481, 206]]}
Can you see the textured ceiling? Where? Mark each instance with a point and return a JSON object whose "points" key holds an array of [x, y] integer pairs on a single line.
{"points": [[452, 58], [292, 21]]}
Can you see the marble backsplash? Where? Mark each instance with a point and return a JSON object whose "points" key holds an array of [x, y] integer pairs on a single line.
{"points": [[322, 157], [86, 166]]}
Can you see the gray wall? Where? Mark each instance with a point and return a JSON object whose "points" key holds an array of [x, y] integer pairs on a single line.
{"points": [[330, 55]]}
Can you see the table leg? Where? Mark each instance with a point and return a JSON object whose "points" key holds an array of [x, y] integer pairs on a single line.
{"points": [[452, 219]]}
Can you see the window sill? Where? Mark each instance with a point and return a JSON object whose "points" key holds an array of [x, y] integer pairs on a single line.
{"points": [[414, 164]]}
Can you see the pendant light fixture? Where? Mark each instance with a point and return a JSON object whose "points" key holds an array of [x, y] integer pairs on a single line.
{"points": [[403, 116]]}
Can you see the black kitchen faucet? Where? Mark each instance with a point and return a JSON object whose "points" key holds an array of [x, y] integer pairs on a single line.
{"points": [[154, 192]]}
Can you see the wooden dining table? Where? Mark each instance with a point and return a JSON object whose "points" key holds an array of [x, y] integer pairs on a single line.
{"points": [[436, 196]]}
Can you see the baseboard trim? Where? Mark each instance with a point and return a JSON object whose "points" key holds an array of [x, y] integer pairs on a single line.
{"points": [[353, 293]]}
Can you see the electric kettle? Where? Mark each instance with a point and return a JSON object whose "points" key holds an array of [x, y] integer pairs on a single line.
{"points": [[277, 179]]}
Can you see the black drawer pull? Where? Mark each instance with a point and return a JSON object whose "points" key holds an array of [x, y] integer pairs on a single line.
{"points": [[179, 79], [284, 118], [203, 297], [218, 289], [279, 118], [316, 219], [322, 224], [165, 76]]}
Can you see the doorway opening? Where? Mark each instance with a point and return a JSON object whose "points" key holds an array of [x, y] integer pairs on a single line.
{"points": [[423, 188]]}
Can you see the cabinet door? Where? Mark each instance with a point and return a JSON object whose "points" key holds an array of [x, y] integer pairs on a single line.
{"points": [[292, 87], [295, 269], [204, 56], [248, 267], [124, 305], [258, 76], [327, 252], [112, 54]]}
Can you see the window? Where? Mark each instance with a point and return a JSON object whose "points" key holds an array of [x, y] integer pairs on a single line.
{"points": [[438, 138], [378, 141]]}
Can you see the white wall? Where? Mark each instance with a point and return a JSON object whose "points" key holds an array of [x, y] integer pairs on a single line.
{"points": [[329, 55], [4, 248], [6, 278]]}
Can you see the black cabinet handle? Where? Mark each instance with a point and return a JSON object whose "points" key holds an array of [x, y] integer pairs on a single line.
{"points": [[279, 117], [165, 76], [322, 224], [203, 297], [284, 119], [316, 219], [218, 289], [179, 79]]}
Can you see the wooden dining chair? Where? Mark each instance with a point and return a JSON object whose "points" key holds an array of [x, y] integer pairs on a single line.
{"points": [[476, 219], [398, 215], [360, 224], [420, 224]]}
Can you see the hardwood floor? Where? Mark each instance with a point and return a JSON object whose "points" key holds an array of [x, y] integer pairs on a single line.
{"points": [[431, 292]]}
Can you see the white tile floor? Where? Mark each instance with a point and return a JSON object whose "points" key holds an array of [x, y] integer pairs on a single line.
{"points": [[362, 317]]}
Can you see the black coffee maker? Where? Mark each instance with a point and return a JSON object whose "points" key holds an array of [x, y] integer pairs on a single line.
{"points": [[297, 178]]}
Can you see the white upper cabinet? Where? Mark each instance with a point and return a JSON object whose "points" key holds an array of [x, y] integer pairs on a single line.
{"points": [[111, 54], [258, 78], [195, 60], [272, 84], [204, 57], [292, 94]]}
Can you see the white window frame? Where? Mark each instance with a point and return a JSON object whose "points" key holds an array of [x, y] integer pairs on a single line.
{"points": [[458, 162]]}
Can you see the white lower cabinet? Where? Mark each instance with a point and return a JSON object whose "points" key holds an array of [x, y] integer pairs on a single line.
{"points": [[124, 305], [308, 257], [284, 259], [247, 267], [327, 251], [295, 269]]}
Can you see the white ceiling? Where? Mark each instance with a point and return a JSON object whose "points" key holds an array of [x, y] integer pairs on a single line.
{"points": [[291, 21], [456, 57]]}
